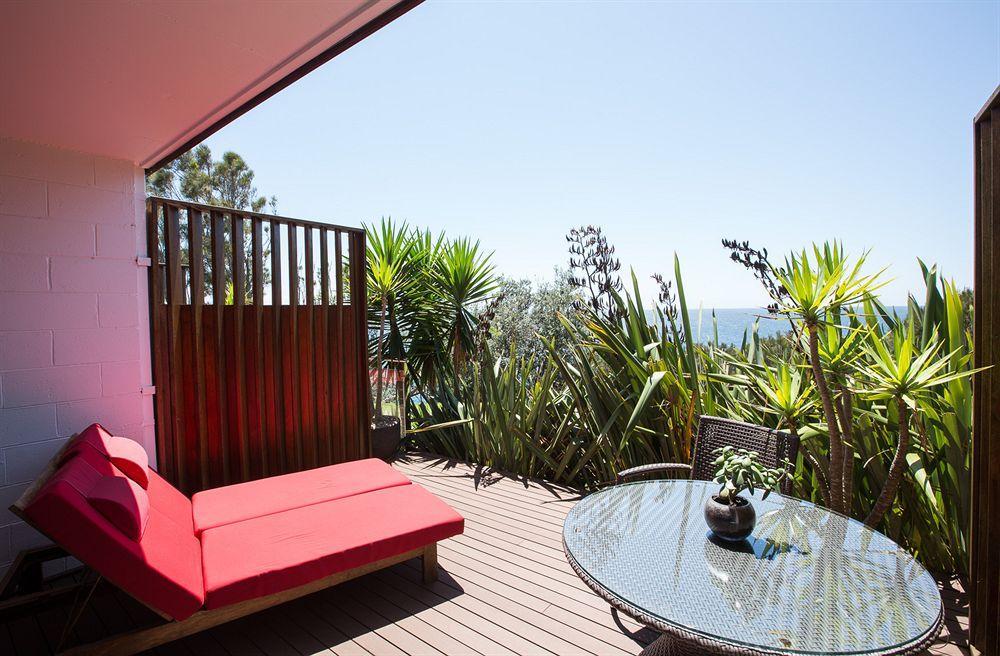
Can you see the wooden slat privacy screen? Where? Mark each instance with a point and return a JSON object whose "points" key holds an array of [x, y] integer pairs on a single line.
{"points": [[259, 343], [984, 588]]}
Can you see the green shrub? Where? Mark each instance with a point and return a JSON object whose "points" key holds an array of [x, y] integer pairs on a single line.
{"points": [[625, 391]]}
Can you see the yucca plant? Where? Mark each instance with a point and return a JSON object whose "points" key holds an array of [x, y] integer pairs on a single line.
{"points": [[786, 392], [818, 288], [464, 277], [391, 278], [903, 374], [423, 291]]}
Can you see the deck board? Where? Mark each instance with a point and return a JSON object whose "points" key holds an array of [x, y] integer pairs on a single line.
{"points": [[505, 588]]}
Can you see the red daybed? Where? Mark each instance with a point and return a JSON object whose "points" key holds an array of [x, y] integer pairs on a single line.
{"points": [[230, 551]]}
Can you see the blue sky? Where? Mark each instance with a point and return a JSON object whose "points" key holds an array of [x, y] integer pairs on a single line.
{"points": [[670, 125]]}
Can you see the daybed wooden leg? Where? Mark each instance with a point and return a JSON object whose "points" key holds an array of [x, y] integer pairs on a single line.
{"points": [[79, 605], [430, 559]]}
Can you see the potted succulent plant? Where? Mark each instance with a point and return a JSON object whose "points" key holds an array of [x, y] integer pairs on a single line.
{"points": [[728, 514]]}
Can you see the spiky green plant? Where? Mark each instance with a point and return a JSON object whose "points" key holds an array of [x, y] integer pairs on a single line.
{"points": [[464, 277], [902, 373], [818, 288], [391, 279], [629, 392]]}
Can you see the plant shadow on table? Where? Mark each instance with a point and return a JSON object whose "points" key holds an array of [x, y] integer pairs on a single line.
{"points": [[777, 535], [759, 548]]}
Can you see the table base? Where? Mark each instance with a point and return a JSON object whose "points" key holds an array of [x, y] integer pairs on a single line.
{"points": [[674, 644]]}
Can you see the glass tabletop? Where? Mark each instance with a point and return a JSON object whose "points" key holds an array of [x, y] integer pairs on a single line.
{"points": [[806, 581]]}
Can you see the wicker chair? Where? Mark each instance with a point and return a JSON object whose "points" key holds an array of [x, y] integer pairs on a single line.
{"points": [[714, 432]]}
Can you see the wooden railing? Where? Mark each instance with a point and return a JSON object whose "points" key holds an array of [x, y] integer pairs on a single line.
{"points": [[259, 343]]}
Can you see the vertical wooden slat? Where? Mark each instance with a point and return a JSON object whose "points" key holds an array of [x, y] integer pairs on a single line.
{"points": [[309, 385], [340, 451], [238, 395], [359, 308], [257, 245], [991, 275], [174, 299], [275, 381], [219, 301], [239, 300], [326, 454], [989, 611], [361, 286], [158, 330], [984, 597], [307, 245], [977, 594], [196, 262], [293, 294]]}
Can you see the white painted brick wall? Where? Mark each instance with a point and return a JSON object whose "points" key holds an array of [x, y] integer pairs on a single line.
{"points": [[74, 329]]}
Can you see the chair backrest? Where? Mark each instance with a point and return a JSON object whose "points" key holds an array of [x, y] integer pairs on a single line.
{"points": [[714, 432]]}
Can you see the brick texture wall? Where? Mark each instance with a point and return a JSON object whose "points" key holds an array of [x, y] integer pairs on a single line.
{"points": [[74, 333]]}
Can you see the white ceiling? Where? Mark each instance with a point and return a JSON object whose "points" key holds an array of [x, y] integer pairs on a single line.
{"points": [[136, 79]]}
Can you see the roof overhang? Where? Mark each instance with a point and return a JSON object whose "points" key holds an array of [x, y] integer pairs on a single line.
{"points": [[146, 80]]}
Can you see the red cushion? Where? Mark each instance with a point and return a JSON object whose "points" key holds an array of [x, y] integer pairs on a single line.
{"points": [[278, 552], [170, 502], [125, 454], [234, 503], [123, 503], [129, 456], [162, 495], [163, 569]]}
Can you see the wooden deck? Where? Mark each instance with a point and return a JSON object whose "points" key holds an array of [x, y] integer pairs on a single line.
{"points": [[505, 588]]}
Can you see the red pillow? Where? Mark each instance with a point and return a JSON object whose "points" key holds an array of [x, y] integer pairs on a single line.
{"points": [[123, 503], [129, 457], [125, 454]]}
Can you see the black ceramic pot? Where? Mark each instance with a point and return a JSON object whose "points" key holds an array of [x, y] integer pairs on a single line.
{"points": [[386, 436], [730, 522]]}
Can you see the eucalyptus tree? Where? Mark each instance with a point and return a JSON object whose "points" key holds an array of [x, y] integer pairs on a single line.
{"points": [[227, 182], [197, 176]]}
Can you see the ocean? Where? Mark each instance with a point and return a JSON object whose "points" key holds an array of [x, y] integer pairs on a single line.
{"points": [[732, 322]]}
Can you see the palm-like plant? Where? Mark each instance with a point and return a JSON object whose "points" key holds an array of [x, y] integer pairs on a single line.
{"points": [[391, 276], [423, 295], [839, 350], [787, 393], [464, 277], [903, 375], [818, 288]]}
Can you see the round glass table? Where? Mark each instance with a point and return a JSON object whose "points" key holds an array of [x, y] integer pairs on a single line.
{"points": [[807, 581]]}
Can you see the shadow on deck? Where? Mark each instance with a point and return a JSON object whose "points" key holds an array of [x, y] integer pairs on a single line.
{"points": [[505, 588]]}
